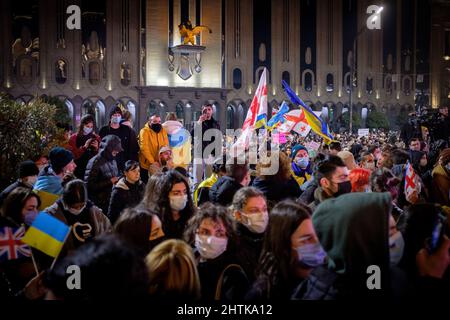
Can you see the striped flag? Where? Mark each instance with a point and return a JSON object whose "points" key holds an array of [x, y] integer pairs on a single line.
{"points": [[47, 234]]}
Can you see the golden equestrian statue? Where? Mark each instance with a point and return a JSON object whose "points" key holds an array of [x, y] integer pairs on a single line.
{"points": [[188, 33]]}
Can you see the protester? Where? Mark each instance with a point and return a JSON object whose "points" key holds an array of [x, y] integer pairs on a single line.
{"points": [[333, 180], [84, 144], [367, 161], [301, 165], [274, 178], [348, 159], [49, 185], [335, 148], [249, 210], [211, 232], [237, 176], [28, 174], [151, 139], [127, 192], [441, 179], [173, 273], [75, 210], [203, 169], [127, 135], [152, 191], [359, 179], [201, 193], [290, 252], [110, 272], [174, 204], [141, 228], [102, 172]]}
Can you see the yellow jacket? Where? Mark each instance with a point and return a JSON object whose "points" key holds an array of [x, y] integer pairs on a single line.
{"points": [[150, 143]]}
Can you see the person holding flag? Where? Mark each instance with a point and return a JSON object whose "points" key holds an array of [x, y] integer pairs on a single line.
{"points": [[319, 126]]}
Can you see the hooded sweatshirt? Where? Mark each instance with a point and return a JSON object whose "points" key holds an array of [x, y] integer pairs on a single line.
{"points": [[48, 186], [353, 230], [150, 143]]}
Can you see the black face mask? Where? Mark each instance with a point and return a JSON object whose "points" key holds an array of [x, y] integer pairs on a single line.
{"points": [[156, 127], [343, 188], [154, 243]]}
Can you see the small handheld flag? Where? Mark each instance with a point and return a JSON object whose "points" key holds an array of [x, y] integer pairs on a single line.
{"points": [[278, 117], [47, 234], [11, 245], [410, 179]]}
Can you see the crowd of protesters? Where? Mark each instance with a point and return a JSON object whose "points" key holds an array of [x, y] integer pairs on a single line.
{"points": [[233, 232]]}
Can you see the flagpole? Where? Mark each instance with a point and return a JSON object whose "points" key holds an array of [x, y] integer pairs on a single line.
{"points": [[56, 258], [34, 262]]}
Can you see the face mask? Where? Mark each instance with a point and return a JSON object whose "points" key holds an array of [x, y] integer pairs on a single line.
{"points": [[343, 188], [396, 247], [370, 165], [448, 166], [256, 222], [87, 130], [311, 255], [74, 211], [156, 127], [116, 120], [303, 162], [210, 247], [30, 181], [29, 217], [178, 203], [155, 242]]}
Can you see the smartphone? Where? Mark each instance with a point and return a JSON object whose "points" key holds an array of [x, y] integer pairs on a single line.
{"points": [[437, 235]]}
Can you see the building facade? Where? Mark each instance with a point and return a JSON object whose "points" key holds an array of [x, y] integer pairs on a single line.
{"points": [[129, 52]]}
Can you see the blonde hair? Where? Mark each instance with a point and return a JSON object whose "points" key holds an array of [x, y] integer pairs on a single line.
{"points": [[171, 116], [173, 271]]}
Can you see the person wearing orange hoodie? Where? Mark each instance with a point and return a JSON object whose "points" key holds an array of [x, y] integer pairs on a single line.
{"points": [[151, 139]]}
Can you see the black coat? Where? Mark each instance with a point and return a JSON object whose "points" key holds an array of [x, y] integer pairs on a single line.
{"points": [[275, 191], [99, 171], [124, 195], [249, 249], [234, 284], [206, 125], [129, 142], [223, 191]]}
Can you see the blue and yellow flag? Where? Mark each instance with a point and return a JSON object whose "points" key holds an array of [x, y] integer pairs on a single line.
{"points": [[47, 234], [278, 118], [319, 126]]}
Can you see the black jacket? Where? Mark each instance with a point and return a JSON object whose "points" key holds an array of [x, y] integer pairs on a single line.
{"points": [[124, 195], [275, 191], [206, 125], [249, 248], [234, 284], [129, 142], [222, 192], [99, 171]]}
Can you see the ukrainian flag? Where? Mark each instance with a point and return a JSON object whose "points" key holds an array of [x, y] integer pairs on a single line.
{"points": [[278, 118], [319, 126], [47, 234]]}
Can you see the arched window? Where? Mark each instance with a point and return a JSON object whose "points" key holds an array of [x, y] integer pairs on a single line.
{"points": [[179, 110], [286, 77], [407, 86], [330, 82], [132, 108], [237, 78], [308, 82], [369, 85], [230, 117], [152, 108], [99, 114]]}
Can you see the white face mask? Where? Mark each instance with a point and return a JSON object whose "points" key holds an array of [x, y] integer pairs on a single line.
{"points": [[370, 165], [178, 203], [210, 247], [256, 222], [74, 211], [87, 130]]}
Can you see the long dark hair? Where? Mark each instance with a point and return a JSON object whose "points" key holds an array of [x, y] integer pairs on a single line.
{"points": [[14, 203], [168, 180], [87, 118], [284, 219]]}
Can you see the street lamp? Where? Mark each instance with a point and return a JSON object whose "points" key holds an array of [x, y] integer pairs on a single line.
{"points": [[353, 67]]}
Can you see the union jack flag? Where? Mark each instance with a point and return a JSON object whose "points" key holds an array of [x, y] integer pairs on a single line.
{"points": [[11, 245], [410, 179]]}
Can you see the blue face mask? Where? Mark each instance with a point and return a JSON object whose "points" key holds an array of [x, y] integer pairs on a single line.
{"points": [[311, 255], [29, 217], [303, 162], [116, 119]]}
